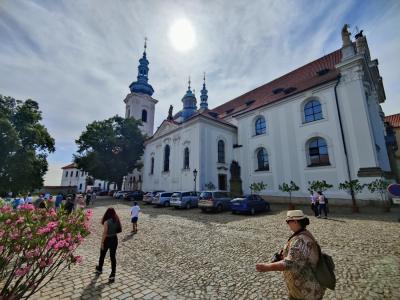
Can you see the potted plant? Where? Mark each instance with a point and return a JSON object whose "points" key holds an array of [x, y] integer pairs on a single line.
{"points": [[380, 186], [257, 187], [289, 188]]}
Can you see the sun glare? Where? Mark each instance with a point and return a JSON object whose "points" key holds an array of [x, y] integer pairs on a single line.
{"points": [[182, 35]]}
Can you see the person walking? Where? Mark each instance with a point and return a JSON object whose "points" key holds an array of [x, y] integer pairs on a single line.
{"points": [[297, 260], [314, 202], [135, 216], [59, 199], [94, 196], [109, 240], [29, 199], [322, 205]]}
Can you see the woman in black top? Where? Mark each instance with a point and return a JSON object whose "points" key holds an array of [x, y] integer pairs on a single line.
{"points": [[112, 226]]}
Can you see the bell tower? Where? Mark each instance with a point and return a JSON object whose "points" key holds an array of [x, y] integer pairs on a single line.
{"points": [[139, 103]]}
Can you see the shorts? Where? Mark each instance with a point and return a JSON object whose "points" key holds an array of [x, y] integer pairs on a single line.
{"points": [[134, 220]]}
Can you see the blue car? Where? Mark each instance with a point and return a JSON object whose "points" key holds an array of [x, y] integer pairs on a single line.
{"points": [[249, 204]]}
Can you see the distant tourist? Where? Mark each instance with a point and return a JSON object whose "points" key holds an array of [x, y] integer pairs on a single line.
{"points": [[94, 196], [135, 216], [322, 205], [297, 260], [109, 240], [59, 199], [88, 198], [69, 205], [18, 201], [29, 199], [39, 202], [314, 203]]}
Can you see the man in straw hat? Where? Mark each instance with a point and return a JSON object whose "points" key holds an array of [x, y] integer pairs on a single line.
{"points": [[297, 258]]}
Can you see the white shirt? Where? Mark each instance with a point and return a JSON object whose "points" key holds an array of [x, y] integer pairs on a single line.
{"points": [[313, 198], [29, 199], [135, 211], [321, 199]]}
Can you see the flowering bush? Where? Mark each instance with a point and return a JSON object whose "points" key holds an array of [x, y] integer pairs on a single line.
{"points": [[36, 245]]}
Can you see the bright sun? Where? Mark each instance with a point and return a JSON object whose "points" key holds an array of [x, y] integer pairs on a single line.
{"points": [[182, 35]]}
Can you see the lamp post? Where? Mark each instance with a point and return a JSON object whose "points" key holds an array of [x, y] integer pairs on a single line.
{"points": [[195, 176]]}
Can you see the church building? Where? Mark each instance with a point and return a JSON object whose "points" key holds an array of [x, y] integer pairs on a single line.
{"points": [[322, 121]]}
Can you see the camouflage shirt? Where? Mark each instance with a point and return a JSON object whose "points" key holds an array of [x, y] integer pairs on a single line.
{"points": [[300, 256]]}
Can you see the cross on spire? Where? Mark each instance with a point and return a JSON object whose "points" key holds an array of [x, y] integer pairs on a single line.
{"points": [[145, 43], [189, 83]]}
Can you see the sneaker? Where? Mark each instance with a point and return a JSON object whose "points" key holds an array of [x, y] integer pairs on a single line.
{"points": [[98, 270], [111, 279], [318, 216]]}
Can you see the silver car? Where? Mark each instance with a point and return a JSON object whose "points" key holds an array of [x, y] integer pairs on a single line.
{"points": [[148, 197], [162, 199], [184, 199]]}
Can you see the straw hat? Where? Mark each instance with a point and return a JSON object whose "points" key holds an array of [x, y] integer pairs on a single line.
{"points": [[295, 215]]}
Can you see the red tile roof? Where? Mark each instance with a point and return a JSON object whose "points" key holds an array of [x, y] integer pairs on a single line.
{"points": [[70, 166], [393, 120], [301, 79]]}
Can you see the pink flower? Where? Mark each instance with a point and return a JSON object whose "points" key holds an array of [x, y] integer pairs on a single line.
{"points": [[27, 206], [8, 221], [1, 233], [15, 235], [20, 220], [1, 248], [78, 259], [42, 264], [22, 271]]}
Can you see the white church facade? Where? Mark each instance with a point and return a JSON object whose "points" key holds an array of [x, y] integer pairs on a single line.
{"points": [[322, 121]]}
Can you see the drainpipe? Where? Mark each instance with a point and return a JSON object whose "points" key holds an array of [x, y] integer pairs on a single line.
{"points": [[353, 198]]}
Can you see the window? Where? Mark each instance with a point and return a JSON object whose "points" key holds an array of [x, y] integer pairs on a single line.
{"points": [[72, 174], [318, 152], [166, 158], [260, 126], [144, 115], [186, 158], [152, 166], [312, 111], [221, 151], [80, 186], [77, 173], [82, 173], [66, 174], [140, 178], [262, 160]]}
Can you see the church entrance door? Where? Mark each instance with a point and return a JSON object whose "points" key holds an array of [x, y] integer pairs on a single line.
{"points": [[222, 182]]}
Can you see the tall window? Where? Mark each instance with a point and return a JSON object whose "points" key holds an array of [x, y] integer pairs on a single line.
{"points": [[72, 174], [186, 158], [318, 152], [144, 115], [77, 173], [312, 111], [260, 126], [262, 160], [66, 174], [221, 151], [166, 158], [152, 166]]}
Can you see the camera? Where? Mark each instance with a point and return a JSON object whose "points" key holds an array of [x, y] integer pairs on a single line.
{"points": [[277, 257]]}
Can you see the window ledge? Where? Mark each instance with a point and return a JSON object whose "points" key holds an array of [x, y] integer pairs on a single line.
{"points": [[185, 169], [259, 135], [303, 123], [262, 171], [329, 165]]}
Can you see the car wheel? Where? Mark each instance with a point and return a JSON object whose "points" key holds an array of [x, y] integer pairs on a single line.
{"points": [[219, 208], [252, 211], [188, 205], [233, 212], [203, 210], [166, 204]]}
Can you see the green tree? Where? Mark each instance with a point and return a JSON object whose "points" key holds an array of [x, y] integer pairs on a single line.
{"points": [[257, 187], [289, 188], [352, 187], [209, 186], [380, 186], [318, 185], [25, 144], [110, 149]]}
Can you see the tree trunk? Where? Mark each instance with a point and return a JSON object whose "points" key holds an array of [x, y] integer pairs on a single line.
{"points": [[354, 208]]}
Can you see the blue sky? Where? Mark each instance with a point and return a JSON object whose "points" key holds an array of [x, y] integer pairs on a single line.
{"points": [[77, 58]]}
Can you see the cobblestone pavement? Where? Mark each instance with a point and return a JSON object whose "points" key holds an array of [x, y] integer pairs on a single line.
{"points": [[186, 254]]}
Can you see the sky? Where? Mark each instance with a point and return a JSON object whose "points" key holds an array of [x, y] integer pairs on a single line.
{"points": [[78, 58]]}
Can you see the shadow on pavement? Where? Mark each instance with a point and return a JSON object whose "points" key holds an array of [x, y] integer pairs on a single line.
{"points": [[93, 291]]}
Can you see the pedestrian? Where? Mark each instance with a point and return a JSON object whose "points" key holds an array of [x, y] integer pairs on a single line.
{"points": [[322, 205], [297, 260], [18, 201], [314, 202], [109, 240], [88, 198], [94, 196], [39, 202], [69, 205], [59, 199], [29, 199], [134, 216]]}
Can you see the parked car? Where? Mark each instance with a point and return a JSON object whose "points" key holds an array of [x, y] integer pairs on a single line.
{"points": [[111, 192], [134, 196], [119, 194], [162, 199], [148, 197], [249, 204], [102, 193], [184, 199], [214, 201]]}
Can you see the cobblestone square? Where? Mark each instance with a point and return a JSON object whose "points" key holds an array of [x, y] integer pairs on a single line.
{"points": [[186, 254]]}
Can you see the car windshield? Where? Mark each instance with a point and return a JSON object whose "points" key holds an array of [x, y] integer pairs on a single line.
{"points": [[176, 194], [205, 195]]}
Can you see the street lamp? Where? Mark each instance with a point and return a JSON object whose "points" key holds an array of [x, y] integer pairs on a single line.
{"points": [[195, 176]]}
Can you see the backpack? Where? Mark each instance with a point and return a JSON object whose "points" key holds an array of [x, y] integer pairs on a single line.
{"points": [[325, 270]]}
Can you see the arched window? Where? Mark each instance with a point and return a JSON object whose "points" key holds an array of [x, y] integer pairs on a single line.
{"points": [[260, 126], [318, 152], [144, 115], [262, 160], [152, 166], [186, 158], [221, 151], [166, 158], [312, 111]]}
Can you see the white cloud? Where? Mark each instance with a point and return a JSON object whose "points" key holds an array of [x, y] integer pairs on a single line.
{"points": [[77, 58]]}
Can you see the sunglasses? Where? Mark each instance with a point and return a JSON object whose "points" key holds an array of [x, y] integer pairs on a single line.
{"points": [[288, 221]]}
